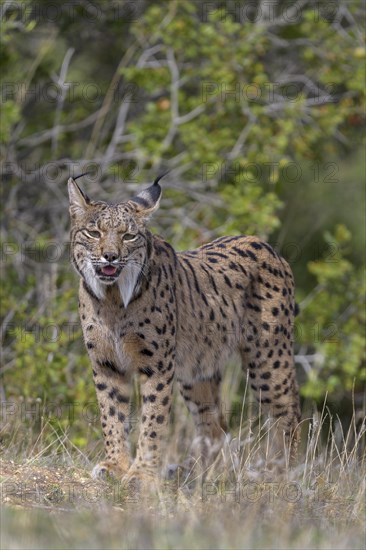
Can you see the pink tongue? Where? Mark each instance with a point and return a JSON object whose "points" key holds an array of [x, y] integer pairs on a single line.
{"points": [[109, 270]]}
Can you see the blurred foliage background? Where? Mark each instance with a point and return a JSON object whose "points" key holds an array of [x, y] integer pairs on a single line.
{"points": [[257, 108]]}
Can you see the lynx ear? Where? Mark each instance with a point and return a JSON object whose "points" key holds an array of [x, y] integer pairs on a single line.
{"points": [[146, 202], [79, 201]]}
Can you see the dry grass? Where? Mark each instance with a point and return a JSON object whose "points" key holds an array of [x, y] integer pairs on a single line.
{"points": [[247, 500]]}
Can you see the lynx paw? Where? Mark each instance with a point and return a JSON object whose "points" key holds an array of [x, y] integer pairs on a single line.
{"points": [[138, 479], [101, 470]]}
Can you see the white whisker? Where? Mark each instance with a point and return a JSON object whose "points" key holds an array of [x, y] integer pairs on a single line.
{"points": [[92, 281], [127, 281]]}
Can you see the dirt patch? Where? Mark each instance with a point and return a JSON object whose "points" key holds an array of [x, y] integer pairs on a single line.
{"points": [[33, 485]]}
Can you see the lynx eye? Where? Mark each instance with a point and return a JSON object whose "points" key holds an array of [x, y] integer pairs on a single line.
{"points": [[129, 237], [93, 234]]}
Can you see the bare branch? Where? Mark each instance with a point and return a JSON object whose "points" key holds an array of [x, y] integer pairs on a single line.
{"points": [[118, 131], [61, 98], [108, 98], [190, 116], [174, 89], [37, 139], [235, 151]]}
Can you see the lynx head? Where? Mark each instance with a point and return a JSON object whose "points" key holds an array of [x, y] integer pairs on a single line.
{"points": [[110, 243]]}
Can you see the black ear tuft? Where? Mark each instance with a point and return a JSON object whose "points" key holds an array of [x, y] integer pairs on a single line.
{"points": [[148, 200], [79, 200], [156, 181], [81, 175]]}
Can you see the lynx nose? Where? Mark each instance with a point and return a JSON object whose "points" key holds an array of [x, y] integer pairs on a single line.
{"points": [[110, 256]]}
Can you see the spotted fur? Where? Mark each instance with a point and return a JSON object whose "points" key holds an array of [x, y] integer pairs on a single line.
{"points": [[147, 309]]}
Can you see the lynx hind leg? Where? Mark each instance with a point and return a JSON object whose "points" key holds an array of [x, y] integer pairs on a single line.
{"points": [[203, 401], [272, 380]]}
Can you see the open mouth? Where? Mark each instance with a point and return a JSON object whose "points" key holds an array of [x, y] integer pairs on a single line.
{"points": [[108, 272]]}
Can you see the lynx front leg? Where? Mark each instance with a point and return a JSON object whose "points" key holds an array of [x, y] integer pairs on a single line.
{"points": [[113, 393], [156, 404]]}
